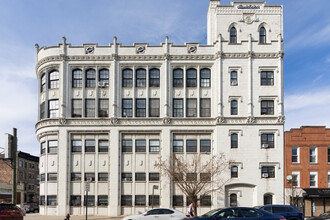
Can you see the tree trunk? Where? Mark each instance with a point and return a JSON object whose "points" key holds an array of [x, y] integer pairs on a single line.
{"points": [[195, 207]]}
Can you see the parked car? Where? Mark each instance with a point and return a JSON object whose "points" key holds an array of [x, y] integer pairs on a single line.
{"points": [[323, 216], [30, 207], [159, 214], [288, 211], [10, 211], [239, 213]]}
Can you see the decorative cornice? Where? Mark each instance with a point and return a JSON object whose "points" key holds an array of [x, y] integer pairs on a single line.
{"points": [[232, 10]]}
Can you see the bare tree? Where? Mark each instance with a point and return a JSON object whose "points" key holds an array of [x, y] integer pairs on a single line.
{"points": [[198, 176], [295, 193]]}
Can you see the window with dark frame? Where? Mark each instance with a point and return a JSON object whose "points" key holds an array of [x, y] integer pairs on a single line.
{"points": [[53, 108], [42, 201], [126, 145], [177, 145], [312, 179], [140, 176], [103, 108], [191, 108], [52, 147], [205, 77], [153, 176], [127, 78], [329, 154], [205, 201], [205, 177], [77, 78], [90, 177], [191, 78], [51, 200], [233, 78], [268, 172], [42, 110], [103, 146], [312, 154], [76, 145], [75, 200], [140, 145], [267, 140], [90, 108], [234, 172], [54, 79], [233, 35], [154, 105], [90, 146], [294, 181], [191, 146], [191, 177], [90, 78], [205, 145], [178, 177], [43, 148], [154, 145], [126, 200], [234, 140], [42, 177], [51, 176], [140, 108], [154, 78], [140, 78], [76, 108], [294, 154], [140, 200], [104, 76], [267, 107], [127, 109], [233, 107], [177, 107], [205, 107], [126, 177], [102, 200], [267, 78], [43, 83], [154, 200], [177, 78], [75, 176], [177, 200], [262, 35], [90, 200], [102, 176]]}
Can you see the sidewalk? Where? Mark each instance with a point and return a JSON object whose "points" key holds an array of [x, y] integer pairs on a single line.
{"points": [[74, 217]]}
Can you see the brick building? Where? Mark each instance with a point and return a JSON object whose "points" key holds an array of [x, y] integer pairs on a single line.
{"points": [[307, 170]]}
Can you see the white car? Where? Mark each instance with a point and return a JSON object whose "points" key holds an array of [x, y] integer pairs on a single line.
{"points": [[159, 214]]}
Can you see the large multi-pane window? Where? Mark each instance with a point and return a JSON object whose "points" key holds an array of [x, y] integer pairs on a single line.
{"points": [[313, 154], [126, 200], [267, 107], [268, 172], [76, 108], [76, 145], [140, 78], [154, 146], [206, 201], [267, 140], [234, 140], [42, 110], [126, 177], [191, 78], [262, 35], [102, 176], [140, 200], [53, 111], [295, 155], [153, 176], [103, 146], [233, 78], [177, 107], [177, 200], [102, 200], [233, 35], [52, 147], [205, 145], [90, 78], [51, 200], [191, 108], [43, 83], [77, 78], [90, 177], [75, 200], [51, 176], [153, 200], [205, 107], [140, 108], [90, 108], [103, 107], [140, 176], [127, 78], [54, 79], [75, 176], [126, 145], [233, 107], [178, 78], [140, 145], [191, 145], [177, 145], [89, 200], [89, 145], [127, 109], [205, 177], [154, 78], [104, 76], [267, 78], [154, 108], [205, 75]]}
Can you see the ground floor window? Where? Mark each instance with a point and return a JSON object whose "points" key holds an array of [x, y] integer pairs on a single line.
{"points": [[268, 199]]}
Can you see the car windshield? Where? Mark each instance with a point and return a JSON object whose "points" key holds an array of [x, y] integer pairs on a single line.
{"points": [[325, 214], [8, 206], [210, 213]]}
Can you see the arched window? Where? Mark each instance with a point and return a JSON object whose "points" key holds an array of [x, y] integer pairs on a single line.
{"points": [[233, 78], [104, 76], [90, 78], [262, 35], [178, 78], [191, 78], [268, 199], [234, 172], [127, 78], [54, 77], [140, 78], [205, 75], [233, 200], [233, 35], [77, 78], [233, 107], [154, 78]]}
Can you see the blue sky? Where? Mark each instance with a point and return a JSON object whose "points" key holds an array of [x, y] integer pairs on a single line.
{"points": [[26, 22]]}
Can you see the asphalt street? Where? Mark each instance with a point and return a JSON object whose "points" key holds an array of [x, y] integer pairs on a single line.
{"points": [[36, 216]]}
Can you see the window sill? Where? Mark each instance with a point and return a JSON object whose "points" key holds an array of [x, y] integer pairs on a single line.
{"points": [[154, 152]]}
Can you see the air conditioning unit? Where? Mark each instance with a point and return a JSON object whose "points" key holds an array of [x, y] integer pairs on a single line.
{"points": [[264, 175], [264, 146], [234, 83], [102, 84]]}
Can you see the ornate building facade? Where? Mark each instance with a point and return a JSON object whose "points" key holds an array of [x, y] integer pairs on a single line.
{"points": [[108, 113]]}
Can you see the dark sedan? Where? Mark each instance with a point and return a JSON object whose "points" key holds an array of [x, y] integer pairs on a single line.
{"points": [[323, 216], [239, 213]]}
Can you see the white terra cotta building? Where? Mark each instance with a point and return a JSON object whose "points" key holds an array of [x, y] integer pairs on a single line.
{"points": [[107, 113]]}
